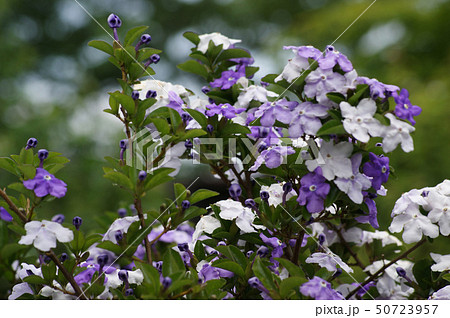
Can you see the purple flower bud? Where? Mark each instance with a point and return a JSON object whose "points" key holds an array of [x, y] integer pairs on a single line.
{"points": [[129, 292], [249, 253], [287, 187], [151, 94], [321, 238], [42, 154], [77, 221], [338, 272], [235, 191], [63, 257], [262, 251], [114, 21], [254, 282], [401, 272], [155, 58], [264, 195], [209, 128], [185, 117], [145, 38], [122, 212], [166, 282], [158, 265], [205, 89], [183, 247], [102, 260], [58, 218], [185, 205], [118, 235], [31, 143], [123, 275], [142, 175], [135, 95], [188, 144], [123, 144], [250, 203]]}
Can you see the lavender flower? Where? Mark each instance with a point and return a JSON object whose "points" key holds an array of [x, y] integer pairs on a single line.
{"points": [[58, 218], [272, 157], [371, 218], [227, 79], [305, 119], [404, 109], [45, 183], [333, 57], [4, 215], [225, 110], [378, 89], [313, 191], [319, 289], [378, 169], [279, 110]]}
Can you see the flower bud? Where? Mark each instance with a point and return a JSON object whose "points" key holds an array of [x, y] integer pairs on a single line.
{"points": [[31, 143], [337, 273], [158, 265], [250, 203], [129, 292], [262, 147], [114, 21], [118, 235], [221, 243], [122, 212], [185, 117], [155, 58], [166, 282], [142, 175], [185, 205], [77, 221], [58, 218], [123, 144], [183, 247], [401, 272], [321, 238], [42, 154], [135, 95], [264, 195], [146, 38], [249, 253], [63, 257], [102, 260], [254, 282], [235, 191], [287, 187], [151, 94], [123, 275], [209, 128], [188, 144]]}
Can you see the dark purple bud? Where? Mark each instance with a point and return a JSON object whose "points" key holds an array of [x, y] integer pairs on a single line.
{"points": [[287, 187], [209, 128], [188, 144], [123, 144], [123, 275], [142, 175], [185, 205], [129, 292], [145, 38], [401, 272], [118, 235], [183, 247], [122, 212], [158, 265], [102, 260], [235, 191], [264, 195], [155, 58], [151, 94], [321, 238], [166, 282], [63, 257], [249, 253], [58, 218], [31, 143], [77, 221], [337, 273], [42, 154], [135, 95], [262, 251], [250, 203], [254, 282], [185, 117], [114, 21], [206, 89]]}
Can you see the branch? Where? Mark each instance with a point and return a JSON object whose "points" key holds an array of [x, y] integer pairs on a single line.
{"points": [[148, 250], [12, 206], [298, 244]]}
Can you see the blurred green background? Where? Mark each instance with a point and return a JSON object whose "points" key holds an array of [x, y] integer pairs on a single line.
{"points": [[54, 87]]}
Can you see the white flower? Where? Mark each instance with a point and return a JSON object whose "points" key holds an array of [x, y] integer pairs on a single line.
{"points": [[443, 188], [441, 294], [20, 289], [230, 210], [121, 225], [350, 81], [217, 39], [207, 224], [359, 120], [442, 262], [318, 228], [414, 225], [328, 260], [43, 235], [22, 272], [134, 277], [440, 212], [397, 133], [389, 289], [253, 92], [276, 193], [383, 236], [334, 160], [391, 271], [172, 158], [238, 165], [293, 69], [55, 294], [411, 198]]}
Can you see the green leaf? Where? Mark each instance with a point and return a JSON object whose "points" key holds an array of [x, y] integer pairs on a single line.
{"points": [[78, 241], [193, 37], [161, 124], [422, 273], [172, 263], [180, 192], [202, 194], [382, 119], [151, 276], [293, 269], [232, 54], [290, 284], [34, 279], [126, 101], [102, 46], [192, 133], [234, 254], [336, 97], [194, 67], [19, 187], [158, 177], [230, 266], [446, 277], [8, 165], [360, 90], [114, 104], [119, 179], [29, 171], [133, 34], [199, 251], [198, 116], [332, 127], [17, 229], [264, 274], [49, 271], [26, 156], [110, 246]]}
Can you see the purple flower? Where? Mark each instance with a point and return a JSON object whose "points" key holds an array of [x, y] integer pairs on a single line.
{"points": [[319, 82], [45, 183], [319, 289], [378, 89], [305, 119], [272, 157], [175, 102], [208, 272], [227, 79], [371, 218], [226, 110], [404, 109], [333, 57], [4, 215], [378, 169], [279, 110], [305, 51], [313, 191], [269, 135]]}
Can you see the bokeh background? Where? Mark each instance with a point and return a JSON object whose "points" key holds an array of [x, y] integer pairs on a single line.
{"points": [[54, 87]]}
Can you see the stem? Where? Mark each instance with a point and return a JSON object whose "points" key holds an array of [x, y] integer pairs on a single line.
{"points": [[148, 250], [344, 242], [66, 274], [382, 269], [159, 236], [182, 294], [12, 206], [298, 244]]}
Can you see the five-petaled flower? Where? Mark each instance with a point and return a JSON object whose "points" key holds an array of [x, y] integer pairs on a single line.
{"points": [[45, 183], [43, 235]]}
